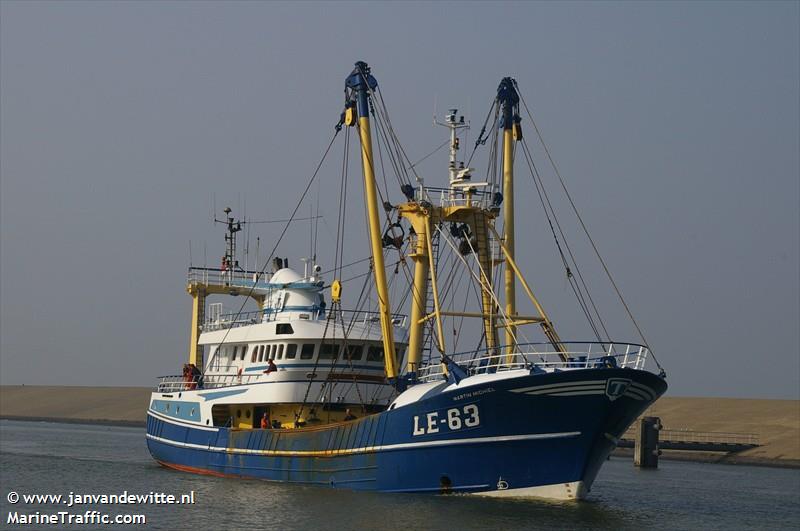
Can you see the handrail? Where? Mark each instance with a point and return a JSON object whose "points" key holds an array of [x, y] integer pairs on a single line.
{"points": [[580, 355], [234, 320]]}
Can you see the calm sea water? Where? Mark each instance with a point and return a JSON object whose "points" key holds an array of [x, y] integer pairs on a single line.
{"points": [[49, 458]]}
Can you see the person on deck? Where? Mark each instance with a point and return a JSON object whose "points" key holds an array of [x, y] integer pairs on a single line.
{"points": [[271, 367], [265, 423], [348, 415]]}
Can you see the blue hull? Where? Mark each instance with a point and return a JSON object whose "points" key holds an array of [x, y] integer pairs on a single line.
{"points": [[517, 433]]}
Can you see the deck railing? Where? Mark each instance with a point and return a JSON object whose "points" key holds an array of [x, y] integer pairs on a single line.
{"points": [[228, 278], [233, 320], [448, 197], [579, 355], [178, 383]]}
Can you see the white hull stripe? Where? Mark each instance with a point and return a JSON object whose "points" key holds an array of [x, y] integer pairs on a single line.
{"points": [[600, 387], [558, 385], [644, 390], [177, 422], [635, 390], [579, 393], [633, 393], [370, 449]]}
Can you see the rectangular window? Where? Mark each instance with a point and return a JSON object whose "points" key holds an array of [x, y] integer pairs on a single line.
{"points": [[284, 328], [272, 350], [308, 351], [291, 351], [253, 354], [354, 352], [280, 351], [375, 353], [328, 352], [244, 352], [235, 352]]}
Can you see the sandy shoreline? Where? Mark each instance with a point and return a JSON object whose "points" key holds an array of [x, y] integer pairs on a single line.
{"points": [[776, 423]]}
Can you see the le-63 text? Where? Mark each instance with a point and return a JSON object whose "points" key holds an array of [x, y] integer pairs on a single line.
{"points": [[453, 419]]}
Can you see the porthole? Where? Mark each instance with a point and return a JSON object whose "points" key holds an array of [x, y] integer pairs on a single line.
{"points": [[192, 412], [206, 422], [239, 413], [247, 413]]}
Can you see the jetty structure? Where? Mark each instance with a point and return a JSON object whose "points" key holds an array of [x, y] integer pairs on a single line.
{"points": [[323, 387]]}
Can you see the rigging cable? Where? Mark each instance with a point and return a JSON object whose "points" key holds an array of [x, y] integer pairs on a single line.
{"points": [[283, 233], [576, 288], [586, 231]]}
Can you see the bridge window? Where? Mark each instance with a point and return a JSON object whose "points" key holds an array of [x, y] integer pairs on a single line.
{"points": [[280, 351], [284, 328], [261, 353], [253, 354], [272, 350], [354, 352], [308, 351], [375, 353], [291, 351], [328, 352], [244, 351]]}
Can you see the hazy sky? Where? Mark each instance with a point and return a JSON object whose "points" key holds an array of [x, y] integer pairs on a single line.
{"points": [[676, 126]]}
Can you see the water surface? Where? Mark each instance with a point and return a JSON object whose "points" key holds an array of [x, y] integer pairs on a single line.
{"points": [[51, 458]]}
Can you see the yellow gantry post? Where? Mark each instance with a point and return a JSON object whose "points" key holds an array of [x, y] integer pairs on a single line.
{"points": [[488, 306], [419, 297], [362, 82], [198, 310], [434, 288]]}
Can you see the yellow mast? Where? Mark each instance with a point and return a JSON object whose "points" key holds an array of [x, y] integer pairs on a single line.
{"points": [[509, 100], [361, 82]]}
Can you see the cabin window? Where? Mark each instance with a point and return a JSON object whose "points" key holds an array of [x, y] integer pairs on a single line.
{"points": [[235, 351], [291, 351], [280, 351], [284, 328], [253, 354], [272, 349], [375, 353], [354, 352], [328, 352], [261, 353], [308, 351], [244, 351]]}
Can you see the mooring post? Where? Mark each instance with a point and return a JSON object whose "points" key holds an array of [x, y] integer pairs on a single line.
{"points": [[646, 452]]}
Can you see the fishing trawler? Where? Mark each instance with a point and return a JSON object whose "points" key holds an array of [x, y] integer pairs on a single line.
{"points": [[305, 391]]}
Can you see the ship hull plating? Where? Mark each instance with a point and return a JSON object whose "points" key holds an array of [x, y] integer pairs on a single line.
{"points": [[543, 435]]}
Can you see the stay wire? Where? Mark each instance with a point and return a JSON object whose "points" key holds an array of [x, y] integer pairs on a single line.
{"points": [[548, 210], [586, 230], [282, 234]]}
